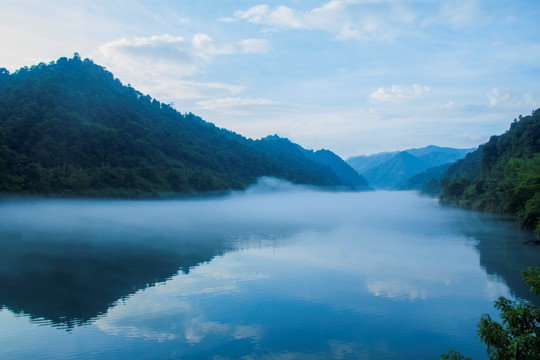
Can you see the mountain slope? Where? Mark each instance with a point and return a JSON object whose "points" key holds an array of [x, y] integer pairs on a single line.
{"points": [[502, 176], [428, 180], [362, 163], [345, 173], [393, 170], [69, 127]]}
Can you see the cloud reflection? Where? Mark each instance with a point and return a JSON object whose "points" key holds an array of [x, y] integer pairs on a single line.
{"points": [[269, 272]]}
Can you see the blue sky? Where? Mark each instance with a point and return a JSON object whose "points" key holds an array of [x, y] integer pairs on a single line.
{"points": [[353, 76]]}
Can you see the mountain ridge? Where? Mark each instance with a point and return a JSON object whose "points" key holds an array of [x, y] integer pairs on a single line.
{"points": [[70, 128], [392, 170]]}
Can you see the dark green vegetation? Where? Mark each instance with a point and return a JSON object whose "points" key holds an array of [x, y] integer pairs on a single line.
{"points": [[321, 163], [427, 181], [395, 170], [518, 337], [502, 176], [71, 128], [344, 171]]}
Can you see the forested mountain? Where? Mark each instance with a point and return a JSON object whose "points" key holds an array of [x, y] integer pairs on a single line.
{"points": [[322, 163], [345, 173], [390, 174], [392, 170], [428, 180], [69, 127], [362, 163], [502, 176]]}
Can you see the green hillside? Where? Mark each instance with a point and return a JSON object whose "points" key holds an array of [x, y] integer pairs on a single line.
{"points": [[71, 128], [345, 173], [428, 180], [502, 176]]}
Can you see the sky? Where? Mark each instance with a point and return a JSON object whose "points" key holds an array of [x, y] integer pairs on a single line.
{"points": [[353, 76]]}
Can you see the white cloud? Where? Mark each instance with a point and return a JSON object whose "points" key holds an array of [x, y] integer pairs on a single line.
{"points": [[458, 13], [397, 93], [255, 14], [198, 329], [254, 46], [504, 98], [160, 64], [175, 55], [395, 289], [206, 46], [153, 55], [382, 20], [346, 19], [497, 98], [239, 106]]}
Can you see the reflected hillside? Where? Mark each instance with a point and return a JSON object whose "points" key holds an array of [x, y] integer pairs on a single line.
{"points": [[68, 261], [74, 280], [498, 235]]}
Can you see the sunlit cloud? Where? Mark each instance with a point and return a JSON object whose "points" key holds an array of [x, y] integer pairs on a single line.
{"points": [[153, 55], [161, 64], [363, 20], [397, 93], [345, 19], [174, 55]]}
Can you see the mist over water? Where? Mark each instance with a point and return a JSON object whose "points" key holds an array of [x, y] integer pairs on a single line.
{"points": [[276, 271]]}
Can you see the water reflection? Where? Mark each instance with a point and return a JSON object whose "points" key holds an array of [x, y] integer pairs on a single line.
{"points": [[305, 295], [72, 282], [299, 274], [502, 249], [68, 261]]}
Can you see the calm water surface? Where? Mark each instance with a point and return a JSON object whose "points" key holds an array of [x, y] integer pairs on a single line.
{"points": [[295, 274]]}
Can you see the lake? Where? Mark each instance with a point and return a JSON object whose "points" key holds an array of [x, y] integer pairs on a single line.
{"points": [[276, 272]]}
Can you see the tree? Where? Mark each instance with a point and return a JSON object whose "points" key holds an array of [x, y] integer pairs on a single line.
{"points": [[454, 355], [455, 189], [518, 335], [503, 175], [70, 128]]}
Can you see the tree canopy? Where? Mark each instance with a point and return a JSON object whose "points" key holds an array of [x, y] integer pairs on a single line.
{"points": [[70, 128], [517, 336], [502, 175]]}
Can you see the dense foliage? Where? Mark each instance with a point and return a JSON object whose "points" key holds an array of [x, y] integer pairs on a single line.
{"points": [[518, 336], [502, 176], [69, 127]]}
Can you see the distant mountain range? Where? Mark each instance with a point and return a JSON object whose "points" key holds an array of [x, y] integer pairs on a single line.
{"points": [[70, 128], [392, 170]]}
